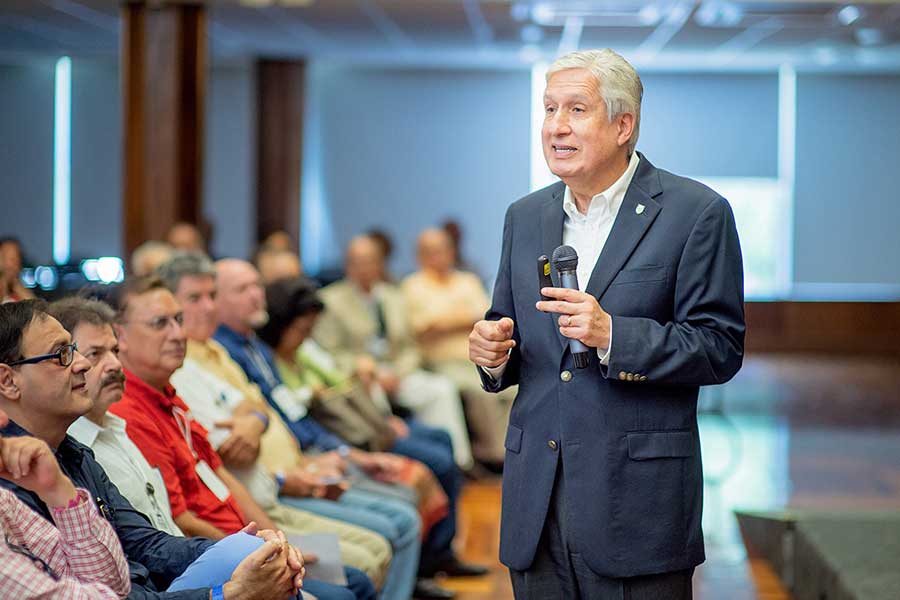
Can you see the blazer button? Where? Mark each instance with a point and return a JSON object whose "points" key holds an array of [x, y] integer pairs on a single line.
{"points": [[566, 376], [622, 376], [630, 376], [643, 378], [552, 444]]}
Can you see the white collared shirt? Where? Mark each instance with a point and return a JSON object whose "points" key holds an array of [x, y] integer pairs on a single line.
{"points": [[126, 467], [588, 234], [212, 399]]}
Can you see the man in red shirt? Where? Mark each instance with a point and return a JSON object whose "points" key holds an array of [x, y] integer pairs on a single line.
{"points": [[206, 499]]}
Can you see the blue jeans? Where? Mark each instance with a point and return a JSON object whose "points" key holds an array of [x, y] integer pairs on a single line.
{"points": [[394, 520], [433, 447], [215, 566]]}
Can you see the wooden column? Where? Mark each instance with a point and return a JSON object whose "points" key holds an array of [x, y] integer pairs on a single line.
{"points": [[163, 67], [279, 108]]}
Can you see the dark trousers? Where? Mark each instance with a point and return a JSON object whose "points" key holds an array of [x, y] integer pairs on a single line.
{"points": [[559, 573]]}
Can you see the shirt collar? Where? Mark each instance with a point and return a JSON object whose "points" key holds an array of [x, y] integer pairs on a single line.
{"points": [[227, 335], [136, 387], [610, 199], [86, 431]]}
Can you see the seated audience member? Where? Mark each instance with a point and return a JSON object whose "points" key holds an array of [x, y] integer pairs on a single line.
{"points": [[365, 328], [278, 264], [241, 308], [443, 304], [79, 558], [11, 288], [278, 241], [293, 307], [385, 245], [148, 256], [238, 421], [206, 499], [42, 390], [186, 237], [90, 324]]}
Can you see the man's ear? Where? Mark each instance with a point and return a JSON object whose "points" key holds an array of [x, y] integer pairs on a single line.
{"points": [[625, 127], [9, 387]]}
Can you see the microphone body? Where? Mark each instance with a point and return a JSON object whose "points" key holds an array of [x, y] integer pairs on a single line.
{"points": [[565, 260]]}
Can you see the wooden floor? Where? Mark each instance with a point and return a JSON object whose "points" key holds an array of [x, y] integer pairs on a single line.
{"points": [[788, 431]]}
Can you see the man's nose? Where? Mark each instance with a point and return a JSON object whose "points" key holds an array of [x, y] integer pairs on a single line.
{"points": [[559, 124], [80, 364]]}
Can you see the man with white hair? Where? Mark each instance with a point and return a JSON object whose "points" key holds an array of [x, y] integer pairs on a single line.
{"points": [[602, 482]]}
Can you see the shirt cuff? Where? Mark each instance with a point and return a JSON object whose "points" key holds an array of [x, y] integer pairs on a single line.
{"points": [[603, 353], [495, 373]]}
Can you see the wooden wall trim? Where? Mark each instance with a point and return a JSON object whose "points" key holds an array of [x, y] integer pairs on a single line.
{"points": [[830, 327]]}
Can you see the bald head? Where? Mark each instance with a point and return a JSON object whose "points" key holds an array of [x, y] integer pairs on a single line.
{"points": [[435, 251], [365, 262], [240, 297]]}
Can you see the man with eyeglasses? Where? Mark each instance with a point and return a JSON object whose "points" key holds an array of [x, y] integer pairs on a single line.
{"points": [[42, 391], [206, 498]]}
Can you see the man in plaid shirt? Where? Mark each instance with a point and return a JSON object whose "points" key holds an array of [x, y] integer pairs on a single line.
{"points": [[42, 391], [80, 559]]}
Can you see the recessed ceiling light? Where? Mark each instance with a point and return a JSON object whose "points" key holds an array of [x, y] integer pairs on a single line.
{"points": [[849, 15], [531, 34], [649, 14], [519, 11]]}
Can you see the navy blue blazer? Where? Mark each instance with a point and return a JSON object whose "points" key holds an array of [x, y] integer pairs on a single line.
{"points": [[671, 276]]}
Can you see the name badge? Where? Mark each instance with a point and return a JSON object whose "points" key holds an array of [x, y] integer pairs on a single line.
{"points": [[292, 403], [212, 481]]}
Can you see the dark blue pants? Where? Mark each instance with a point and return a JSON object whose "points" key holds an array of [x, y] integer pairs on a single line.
{"points": [[432, 446], [558, 573]]}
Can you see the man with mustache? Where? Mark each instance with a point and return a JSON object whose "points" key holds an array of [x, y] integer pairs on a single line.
{"points": [[206, 498], [42, 390], [101, 431]]}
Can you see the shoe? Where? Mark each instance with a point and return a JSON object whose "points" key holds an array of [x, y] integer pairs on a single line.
{"points": [[426, 589], [453, 567]]}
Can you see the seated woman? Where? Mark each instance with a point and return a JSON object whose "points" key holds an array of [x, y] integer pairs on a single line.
{"points": [[342, 405]]}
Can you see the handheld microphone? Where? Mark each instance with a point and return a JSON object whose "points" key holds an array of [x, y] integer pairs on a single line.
{"points": [[565, 261]]}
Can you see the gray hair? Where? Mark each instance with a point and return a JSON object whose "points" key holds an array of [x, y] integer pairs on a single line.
{"points": [[184, 264], [618, 83]]}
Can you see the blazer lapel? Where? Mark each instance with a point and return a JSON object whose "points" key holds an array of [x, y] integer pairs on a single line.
{"points": [[629, 227], [552, 216]]}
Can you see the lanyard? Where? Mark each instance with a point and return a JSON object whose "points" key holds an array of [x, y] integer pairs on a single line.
{"points": [[183, 420], [260, 363]]}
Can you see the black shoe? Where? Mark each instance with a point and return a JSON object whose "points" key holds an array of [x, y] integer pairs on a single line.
{"points": [[426, 589], [453, 567]]}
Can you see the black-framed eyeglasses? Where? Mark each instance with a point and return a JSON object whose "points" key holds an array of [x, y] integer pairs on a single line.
{"points": [[65, 355], [37, 560]]}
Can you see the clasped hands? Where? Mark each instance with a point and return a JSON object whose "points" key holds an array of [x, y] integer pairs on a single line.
{"points": [[580, 317]]}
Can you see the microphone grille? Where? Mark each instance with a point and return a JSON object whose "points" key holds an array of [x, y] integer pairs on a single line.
{"points": [[565, 258]]}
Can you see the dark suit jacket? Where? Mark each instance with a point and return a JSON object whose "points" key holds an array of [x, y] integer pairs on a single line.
{"points": [[671, 276]]}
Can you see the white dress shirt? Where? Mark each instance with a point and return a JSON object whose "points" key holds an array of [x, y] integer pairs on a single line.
{"points": [[587, 233], [212, 399], [126, 467]]}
